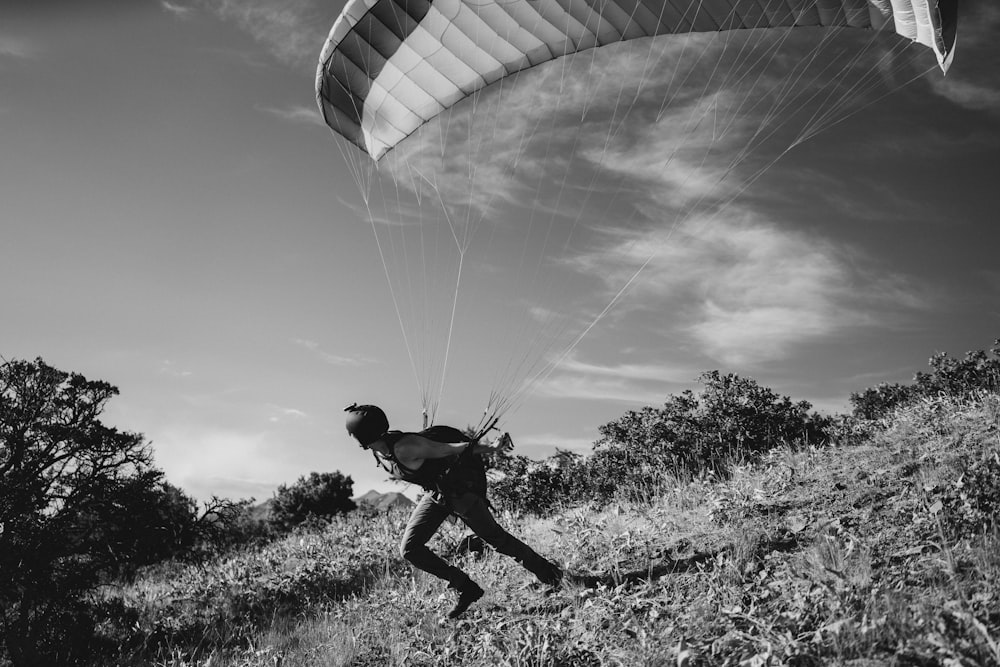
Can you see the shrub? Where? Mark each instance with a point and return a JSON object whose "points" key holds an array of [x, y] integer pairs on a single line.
{"points": [[977, 371], [224, 525], [731, 419], [323, 495], [523, 485], [972, 502]]}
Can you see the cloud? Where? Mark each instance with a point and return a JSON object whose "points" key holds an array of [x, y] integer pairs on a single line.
{"points": [[280, 413], [747, 290], [297, 114], [193, 459], [17, 47], [333, 359], [542, 445], [292, 31], [971, 82], [975, 95], [168, 367], [621, 383], [233, 488], [180, 11]]}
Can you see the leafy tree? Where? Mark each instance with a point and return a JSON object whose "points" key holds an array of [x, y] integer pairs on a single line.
{"points": [[321, 495], [79, 502]]}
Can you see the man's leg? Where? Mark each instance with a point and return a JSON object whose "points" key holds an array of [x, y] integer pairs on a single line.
{"points": [[426, 518], [475, 512]]}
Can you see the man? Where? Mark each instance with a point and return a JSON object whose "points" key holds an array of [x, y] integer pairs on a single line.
{"points": [[448, 464]]}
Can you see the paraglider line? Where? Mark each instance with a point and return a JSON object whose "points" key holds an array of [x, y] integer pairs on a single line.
{"points": [[392, 292]]}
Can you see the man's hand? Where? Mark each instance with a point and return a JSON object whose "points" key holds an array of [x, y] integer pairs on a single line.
{"points": [[502, 445]]}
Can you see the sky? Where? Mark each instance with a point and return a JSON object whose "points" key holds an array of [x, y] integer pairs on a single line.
{"points": [[176, 220]]}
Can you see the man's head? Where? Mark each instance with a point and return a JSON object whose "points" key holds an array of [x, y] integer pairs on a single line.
{"points": [[367, 423]]}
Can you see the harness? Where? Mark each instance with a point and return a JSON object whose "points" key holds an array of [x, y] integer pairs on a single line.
{"points": [[450, 476]]}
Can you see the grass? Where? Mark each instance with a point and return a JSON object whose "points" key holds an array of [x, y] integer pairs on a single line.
{"points": [[885, 552]]}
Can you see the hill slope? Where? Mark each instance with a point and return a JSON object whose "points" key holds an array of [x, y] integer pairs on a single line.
{"points": [[883, 553]]}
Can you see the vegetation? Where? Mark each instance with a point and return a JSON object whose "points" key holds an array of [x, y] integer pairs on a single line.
{"points": [[318, 496], [81, 505], [67, 482], [799, 540], [639, 455], [977, 371]]}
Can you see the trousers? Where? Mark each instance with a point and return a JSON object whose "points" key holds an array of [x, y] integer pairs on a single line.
{"points": [[474, 511]]}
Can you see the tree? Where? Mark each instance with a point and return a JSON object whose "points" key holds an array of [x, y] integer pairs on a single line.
{"points": [[72, 496], [321, 495]]}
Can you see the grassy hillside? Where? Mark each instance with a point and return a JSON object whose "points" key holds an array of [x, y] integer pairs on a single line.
{"points": [[885, 552]]}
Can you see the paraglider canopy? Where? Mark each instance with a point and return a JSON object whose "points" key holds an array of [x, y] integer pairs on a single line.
{"points": [[390, 66]]}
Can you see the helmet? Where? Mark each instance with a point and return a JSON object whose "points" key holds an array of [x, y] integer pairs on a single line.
{"points": [[367, 423]]}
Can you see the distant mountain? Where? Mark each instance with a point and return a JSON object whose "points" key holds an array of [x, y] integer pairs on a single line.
{"points": [[262, 511], [383, 502]]}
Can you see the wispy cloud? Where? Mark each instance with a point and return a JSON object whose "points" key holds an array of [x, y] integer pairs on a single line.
{"points": [[333, 359], [292, 31], [972, 94], [621, 383], [17, 47], [747, 290], [182, 12], [972, 81], [539, 445], [296, 114], [171, 368], [280, 413]]}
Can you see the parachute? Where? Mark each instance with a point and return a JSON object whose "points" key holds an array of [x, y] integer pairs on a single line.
{"points": [[388, 67], [482, 176]]}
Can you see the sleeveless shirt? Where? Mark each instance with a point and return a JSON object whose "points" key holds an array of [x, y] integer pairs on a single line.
{"points": [[450, 476]]}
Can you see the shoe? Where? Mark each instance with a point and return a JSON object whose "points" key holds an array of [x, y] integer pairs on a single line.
{"points": [[552, 577], [466, 596]]}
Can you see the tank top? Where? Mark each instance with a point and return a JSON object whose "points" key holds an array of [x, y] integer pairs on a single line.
{"points": [[449, 476]]}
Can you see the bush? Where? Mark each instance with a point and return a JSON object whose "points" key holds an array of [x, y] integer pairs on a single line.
{"points": [[322, 495], [972, 502], [523, 485], [732, 418], [224, 525], [978, 371]]}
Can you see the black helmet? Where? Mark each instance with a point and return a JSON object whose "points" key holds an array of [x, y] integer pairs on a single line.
{"points": [[367, 423]]}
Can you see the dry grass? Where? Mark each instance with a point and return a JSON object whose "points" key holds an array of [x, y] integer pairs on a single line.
{"points": [[838, 556]]}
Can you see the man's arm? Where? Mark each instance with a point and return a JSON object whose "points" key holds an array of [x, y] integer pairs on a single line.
{"points": [[413, 447]]}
